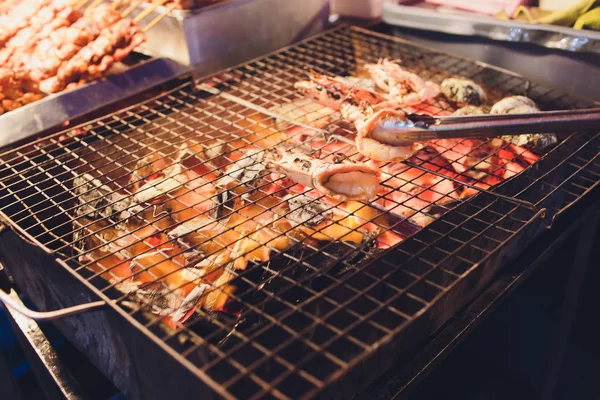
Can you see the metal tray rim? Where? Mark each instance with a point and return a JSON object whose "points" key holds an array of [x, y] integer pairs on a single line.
{"points": [[55, 109], [183, 14], [567, 39]]}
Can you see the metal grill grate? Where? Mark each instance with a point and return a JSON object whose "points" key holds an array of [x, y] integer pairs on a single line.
{"points": [[294, 324]]}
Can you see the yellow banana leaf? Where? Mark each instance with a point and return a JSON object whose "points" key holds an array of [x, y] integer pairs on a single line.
{"points": [[562, 17], [589, 20]]}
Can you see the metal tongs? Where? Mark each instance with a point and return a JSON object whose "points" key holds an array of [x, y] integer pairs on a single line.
{"points": [[422, 127]]}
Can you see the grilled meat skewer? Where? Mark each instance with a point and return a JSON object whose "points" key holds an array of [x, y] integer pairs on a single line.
{"points": [[61, 45], [18, 18], [50, 18], [113, 44]]}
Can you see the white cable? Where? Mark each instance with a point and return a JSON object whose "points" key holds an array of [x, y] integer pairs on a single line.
{"points": [[47, 315]]}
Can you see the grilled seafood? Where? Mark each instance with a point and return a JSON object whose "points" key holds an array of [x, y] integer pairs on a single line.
{"points": [[374, 142], [358, 106], [342, 180], [332, 175], [463, 91], [524, 105], [469, 110], [337, 94], [325, 90], [197, 227], [399, 88], [404, 88], [514, 105]]}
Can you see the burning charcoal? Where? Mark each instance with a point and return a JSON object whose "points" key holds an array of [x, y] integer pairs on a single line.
{"points": [[304, 111], [189, 302], [98, 201], [307, 210], [157, 296], [463, 91], [171, 179], [248, 170]]}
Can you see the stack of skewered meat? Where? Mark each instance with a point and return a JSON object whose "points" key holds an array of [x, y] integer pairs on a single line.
{"points": [[47, 46], [188, 4], [189, 228]]}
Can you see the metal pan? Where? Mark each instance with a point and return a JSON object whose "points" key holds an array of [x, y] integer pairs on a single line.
{"points": [[231, 32], [59, 108], [554, 37]]}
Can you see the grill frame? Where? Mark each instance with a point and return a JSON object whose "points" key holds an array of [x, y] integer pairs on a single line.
{"points": [[464, 288]]}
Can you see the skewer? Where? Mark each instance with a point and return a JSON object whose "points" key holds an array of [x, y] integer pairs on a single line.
{"points": [[77, 4], [117, 3], [132, 7], [148, 10], [91, 7], [157, 19]]}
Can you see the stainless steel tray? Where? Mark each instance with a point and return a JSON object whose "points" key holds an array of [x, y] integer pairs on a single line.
{"points": [[462, 23], [228, 33], [58, 108]]}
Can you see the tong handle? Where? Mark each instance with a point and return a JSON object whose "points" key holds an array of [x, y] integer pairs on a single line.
{"points": [[11, 300], [492, 125]]}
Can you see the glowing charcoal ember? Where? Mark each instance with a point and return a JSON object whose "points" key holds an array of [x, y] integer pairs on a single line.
{"points": [[305, 210], [98, 200], [303, 111]]}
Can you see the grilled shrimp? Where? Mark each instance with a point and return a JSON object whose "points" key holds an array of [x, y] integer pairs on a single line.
{"points": [[359, 104], [374, 142], [404, 88], [323, 89], [342, 180], [339, 94]]}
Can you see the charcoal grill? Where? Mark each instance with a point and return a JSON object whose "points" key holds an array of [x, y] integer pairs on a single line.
{"points": [[314, 333]]}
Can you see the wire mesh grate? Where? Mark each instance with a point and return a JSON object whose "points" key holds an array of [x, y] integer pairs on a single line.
{"points": [[166, 207]]}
